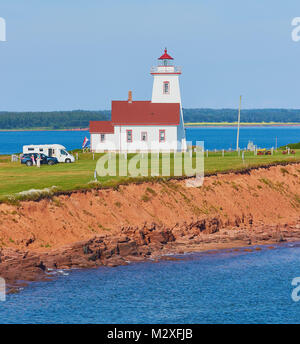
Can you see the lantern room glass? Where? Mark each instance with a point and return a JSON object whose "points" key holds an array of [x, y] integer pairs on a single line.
{"points": [[165, 62]]}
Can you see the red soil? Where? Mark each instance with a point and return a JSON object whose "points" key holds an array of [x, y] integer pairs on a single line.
{"points": [[108, 227]]}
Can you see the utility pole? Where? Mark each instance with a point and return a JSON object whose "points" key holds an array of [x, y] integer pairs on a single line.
{"points": [[238, 131]]}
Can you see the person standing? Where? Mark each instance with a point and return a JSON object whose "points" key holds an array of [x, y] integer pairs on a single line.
{"points": [[38, 161], [33, 160]]}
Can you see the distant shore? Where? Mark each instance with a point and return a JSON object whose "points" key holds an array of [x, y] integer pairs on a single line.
{"points": [[45, 129], [244, 124], [187, 125]]}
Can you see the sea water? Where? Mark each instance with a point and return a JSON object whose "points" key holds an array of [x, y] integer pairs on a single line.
{"points": [[214, 138], [219, 287]]}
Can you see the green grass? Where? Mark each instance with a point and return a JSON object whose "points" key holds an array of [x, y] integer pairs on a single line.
{"points": [[15, 178]]}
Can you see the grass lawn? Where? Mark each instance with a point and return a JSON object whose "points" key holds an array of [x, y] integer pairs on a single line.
{"points": [[15, 177]]}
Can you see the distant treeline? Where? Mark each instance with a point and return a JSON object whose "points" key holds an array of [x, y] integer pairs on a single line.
{"points": [[292, 146], [231, 115], [52, 120], [81, 118]]}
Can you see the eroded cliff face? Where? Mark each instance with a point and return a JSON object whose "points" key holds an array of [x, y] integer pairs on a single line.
{"points": [[135, 222]]}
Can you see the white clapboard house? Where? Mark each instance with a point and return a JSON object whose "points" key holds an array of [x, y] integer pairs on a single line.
{"points": [[155, 125]]}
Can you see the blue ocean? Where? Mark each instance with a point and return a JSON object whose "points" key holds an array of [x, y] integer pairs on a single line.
{"points": [[214, 138], [223, 287]]}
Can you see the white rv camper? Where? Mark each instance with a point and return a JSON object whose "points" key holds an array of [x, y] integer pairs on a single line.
{"points": [[57, 151]]}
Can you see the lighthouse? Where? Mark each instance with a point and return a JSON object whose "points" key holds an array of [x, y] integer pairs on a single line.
{"points": [[166, 81], [143, 125], [166, 90]]}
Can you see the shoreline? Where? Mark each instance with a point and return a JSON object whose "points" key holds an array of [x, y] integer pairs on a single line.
{"points": [[148, 222], [244, 125], [187, 125], [43, 267], [43, 129]]}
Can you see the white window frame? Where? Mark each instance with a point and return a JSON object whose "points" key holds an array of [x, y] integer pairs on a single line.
{"points": [[129, 131], [162, 131], [165, 83]]}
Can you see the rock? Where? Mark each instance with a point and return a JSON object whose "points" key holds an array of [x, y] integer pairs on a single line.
{"points": [[123, 239], [115, 261], [144, 251], [95, 256], [29, 241], [162, 237], [98, 240], [281, 239], [62, 260], [127, 249], [41, 266], [86, 249], [13, 290]]}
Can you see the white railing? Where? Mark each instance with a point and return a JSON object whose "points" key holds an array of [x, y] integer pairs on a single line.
{"points": [[165, 69]]}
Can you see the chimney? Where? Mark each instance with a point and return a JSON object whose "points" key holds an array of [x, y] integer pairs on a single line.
{"points": [[129, 96]]}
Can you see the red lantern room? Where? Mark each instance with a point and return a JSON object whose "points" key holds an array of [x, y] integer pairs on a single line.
{"points": [[165, 59]]}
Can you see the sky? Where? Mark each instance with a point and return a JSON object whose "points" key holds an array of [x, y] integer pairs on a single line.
{"points": [[81, 54]]}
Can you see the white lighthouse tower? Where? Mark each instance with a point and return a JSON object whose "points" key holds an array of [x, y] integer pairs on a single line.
{"points": [[166, 90]]}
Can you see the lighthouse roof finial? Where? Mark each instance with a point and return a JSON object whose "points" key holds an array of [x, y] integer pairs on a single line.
{"points": [[165, 56]]}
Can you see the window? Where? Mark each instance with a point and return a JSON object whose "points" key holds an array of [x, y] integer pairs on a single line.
{"points": [[31, 149], [144, 136], [129, 135], [102, 137], [162, 136], [62, 152], [166, 88]]}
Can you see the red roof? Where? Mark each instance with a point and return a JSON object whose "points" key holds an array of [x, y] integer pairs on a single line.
{"points": [[103, 127], [145, 113], [138, 113], [165, 56]]}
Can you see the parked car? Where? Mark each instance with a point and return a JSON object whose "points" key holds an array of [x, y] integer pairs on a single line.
{"points": [[45, 160], [53, 150]]}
